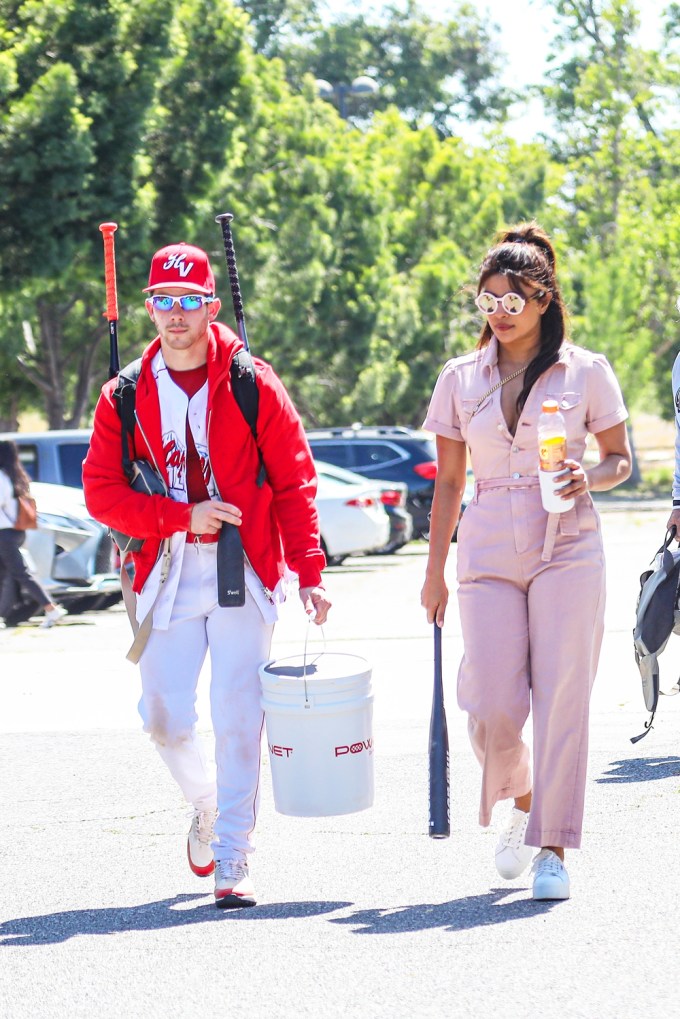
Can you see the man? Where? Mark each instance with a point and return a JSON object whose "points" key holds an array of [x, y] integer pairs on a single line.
{"points": [[191, 428]]}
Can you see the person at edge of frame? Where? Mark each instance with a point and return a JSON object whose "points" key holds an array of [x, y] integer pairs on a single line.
{"points": [[190, 426], [15, 578], [674, 518], [531, 584]]}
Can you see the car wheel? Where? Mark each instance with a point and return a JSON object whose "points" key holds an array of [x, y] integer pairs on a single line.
{"points": [[331, 560]]}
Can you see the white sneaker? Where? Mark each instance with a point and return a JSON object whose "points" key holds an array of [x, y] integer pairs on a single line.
{"points": [[233, 887], [199, 843], [512, 856], [551, 880], [53, 616]]}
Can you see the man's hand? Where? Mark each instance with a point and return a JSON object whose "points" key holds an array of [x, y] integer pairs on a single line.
{"points": [[674, 518], [207, 517], [316, 603]]}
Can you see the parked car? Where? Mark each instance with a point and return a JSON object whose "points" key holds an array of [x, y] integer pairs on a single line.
{"points": [[393, 497], [386, 453], [54, 457], [352, 519], [70, 553]]}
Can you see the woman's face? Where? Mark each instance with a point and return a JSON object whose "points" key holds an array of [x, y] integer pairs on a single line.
{"points": [[519, 334]]}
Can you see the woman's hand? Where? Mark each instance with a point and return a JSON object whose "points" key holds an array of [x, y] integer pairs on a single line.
{"points": [[434, 598], [571, 481]]}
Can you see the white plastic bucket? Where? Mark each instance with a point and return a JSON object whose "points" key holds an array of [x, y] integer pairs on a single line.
{"points": [[319, 715]]}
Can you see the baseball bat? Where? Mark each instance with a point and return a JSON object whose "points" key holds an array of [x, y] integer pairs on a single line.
{"points": [[108, 230], [439, 824], [231, 584], [224, 219]]}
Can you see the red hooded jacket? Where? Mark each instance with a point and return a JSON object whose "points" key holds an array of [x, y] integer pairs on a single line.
{"points": [[280, 521]]}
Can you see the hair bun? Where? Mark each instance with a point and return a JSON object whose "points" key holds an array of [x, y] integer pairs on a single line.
{"points": [[530, 233]]}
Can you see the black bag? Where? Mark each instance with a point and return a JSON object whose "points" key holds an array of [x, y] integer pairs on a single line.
{"points": [[657, 617], [142, 475], [144, 479]]}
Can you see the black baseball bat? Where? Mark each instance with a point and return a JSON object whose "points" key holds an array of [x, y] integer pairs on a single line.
{"points": [[439, 825], [231, 583], [224, 219], [108, 230]]}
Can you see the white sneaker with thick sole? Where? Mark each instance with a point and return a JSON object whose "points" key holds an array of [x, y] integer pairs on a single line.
{"points": [[53, 616], [199, 843], [233, 887], [512, 856], [551, 880]]}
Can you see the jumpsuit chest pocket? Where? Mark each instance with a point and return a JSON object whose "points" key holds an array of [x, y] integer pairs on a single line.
{"points": [[470, 408], [566, 401]]}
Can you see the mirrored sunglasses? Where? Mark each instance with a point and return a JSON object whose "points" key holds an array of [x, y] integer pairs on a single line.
{"points": [[512, 303], [187, 302]]}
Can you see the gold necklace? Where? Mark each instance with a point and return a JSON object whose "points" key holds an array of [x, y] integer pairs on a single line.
{"points": [[497, 386]]}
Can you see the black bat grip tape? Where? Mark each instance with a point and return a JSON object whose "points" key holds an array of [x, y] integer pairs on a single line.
{"points": [[224, 220]]}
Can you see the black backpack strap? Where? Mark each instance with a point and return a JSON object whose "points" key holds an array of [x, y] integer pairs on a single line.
{"points": [[124, 394], [247, 395]]}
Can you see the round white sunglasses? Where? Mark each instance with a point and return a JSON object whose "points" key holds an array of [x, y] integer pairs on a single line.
{"points": [[511, 303]]}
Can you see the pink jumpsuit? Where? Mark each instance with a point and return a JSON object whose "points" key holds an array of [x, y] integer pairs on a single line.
{"points": [[531, 587]]}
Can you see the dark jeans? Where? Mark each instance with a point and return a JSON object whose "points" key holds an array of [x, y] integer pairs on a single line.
{"points": [[14, 573]]}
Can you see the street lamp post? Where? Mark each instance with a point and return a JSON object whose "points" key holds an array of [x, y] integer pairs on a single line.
{"points": [[363, 85]]}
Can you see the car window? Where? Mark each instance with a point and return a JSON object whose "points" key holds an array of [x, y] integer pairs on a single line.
{"points": [[376, 454], [28, 457], [71, 458], [334, 452]]}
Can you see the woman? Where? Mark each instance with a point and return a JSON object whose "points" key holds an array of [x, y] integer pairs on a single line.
{"points": [[531, 584], [13, 572]]}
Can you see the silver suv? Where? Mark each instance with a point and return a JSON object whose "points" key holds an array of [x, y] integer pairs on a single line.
{"points": [[54, 457]]}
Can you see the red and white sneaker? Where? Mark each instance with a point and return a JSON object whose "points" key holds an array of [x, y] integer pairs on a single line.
{"points": [[233, 887], [199, 843]]}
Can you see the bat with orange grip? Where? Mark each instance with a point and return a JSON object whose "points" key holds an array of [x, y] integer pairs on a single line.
{"points": [[108, 230]]}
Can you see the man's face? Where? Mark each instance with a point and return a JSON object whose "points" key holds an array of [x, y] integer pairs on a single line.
{"points": [[182, 330]]}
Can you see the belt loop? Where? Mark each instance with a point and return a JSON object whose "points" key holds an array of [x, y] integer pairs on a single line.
{"points": [[550, 535]]}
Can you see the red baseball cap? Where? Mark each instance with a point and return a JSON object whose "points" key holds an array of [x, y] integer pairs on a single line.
{"points": [[181, 265]]}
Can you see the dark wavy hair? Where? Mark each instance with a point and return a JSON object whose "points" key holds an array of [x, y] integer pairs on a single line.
{"points": [[525, 254], [11, 465]]}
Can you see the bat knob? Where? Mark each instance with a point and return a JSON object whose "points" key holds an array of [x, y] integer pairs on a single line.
{"points": [[108, 228], [224, 217]]}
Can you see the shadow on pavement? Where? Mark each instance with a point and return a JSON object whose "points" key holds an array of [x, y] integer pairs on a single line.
{"points": [[54, 928], [641, 769], [456, 915]]}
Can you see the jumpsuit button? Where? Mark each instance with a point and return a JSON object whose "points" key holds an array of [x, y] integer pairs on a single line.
{"points": [[517, 475], [515, 449], [499, 426]]}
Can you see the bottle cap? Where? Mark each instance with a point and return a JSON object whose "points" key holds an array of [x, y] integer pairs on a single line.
{"points": [[550, 406]]}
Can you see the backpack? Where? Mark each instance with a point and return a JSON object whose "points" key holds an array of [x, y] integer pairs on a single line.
{"points": [[657, 617], [244, 387]]}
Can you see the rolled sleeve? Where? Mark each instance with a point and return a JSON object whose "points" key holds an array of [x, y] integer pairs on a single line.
{"points": [[605, 405], [442, 415]]}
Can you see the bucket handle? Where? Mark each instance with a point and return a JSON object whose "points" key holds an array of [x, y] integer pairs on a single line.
{"points": [[304, 659]]}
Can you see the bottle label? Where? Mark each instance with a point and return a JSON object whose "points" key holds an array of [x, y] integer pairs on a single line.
{"points": [[552, 453]]}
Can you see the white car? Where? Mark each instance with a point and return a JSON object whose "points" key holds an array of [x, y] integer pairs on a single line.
{"points": [[352, 518], [71, 554]]}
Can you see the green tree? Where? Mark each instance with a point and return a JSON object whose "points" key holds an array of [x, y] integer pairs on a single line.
{"points": [[434, 72], [109, 110]]}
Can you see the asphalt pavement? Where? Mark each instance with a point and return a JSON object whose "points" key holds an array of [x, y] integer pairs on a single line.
{"points": [[360, 914]]}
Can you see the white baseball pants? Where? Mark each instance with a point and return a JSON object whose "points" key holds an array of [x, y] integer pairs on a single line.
{"points": [[239, 642]]}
